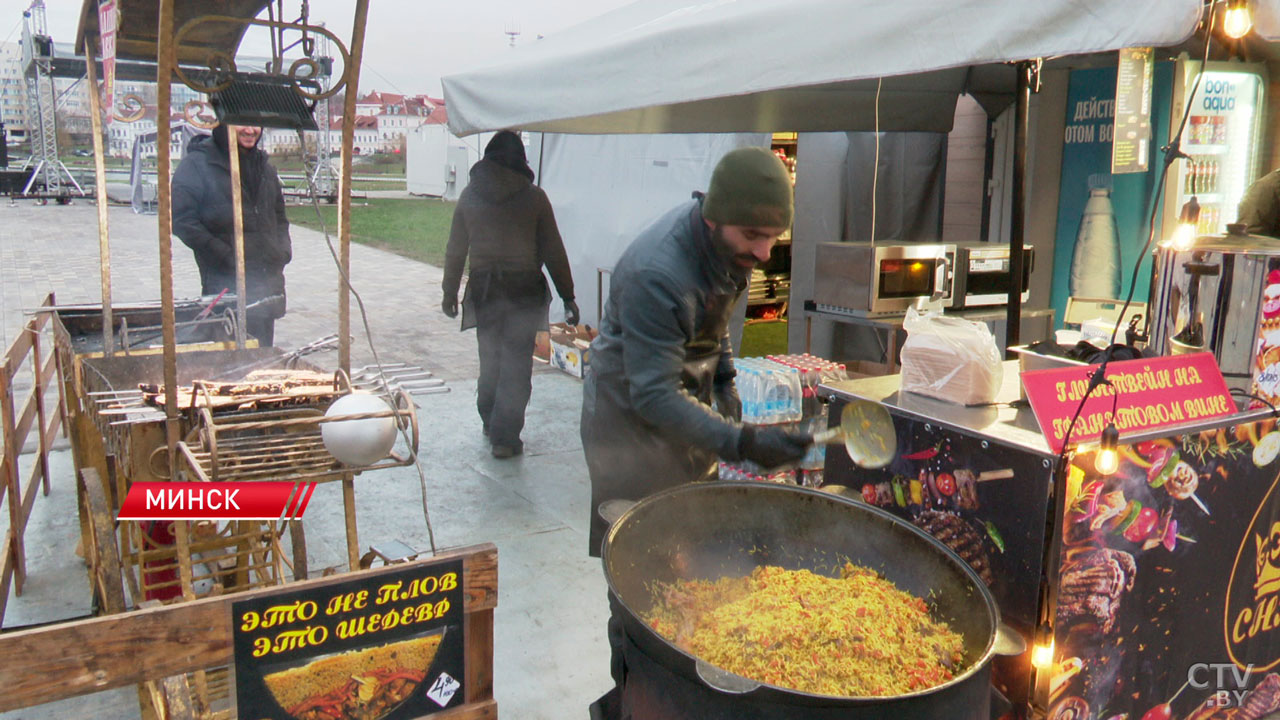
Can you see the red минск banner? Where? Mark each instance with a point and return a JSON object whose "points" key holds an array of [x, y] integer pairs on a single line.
{"points": [[216, 501]]}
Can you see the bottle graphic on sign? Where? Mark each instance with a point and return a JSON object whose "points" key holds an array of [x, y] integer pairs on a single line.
{"points": [[1095, 264]]}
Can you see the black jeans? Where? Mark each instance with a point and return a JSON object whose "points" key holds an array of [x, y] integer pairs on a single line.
{"points": [[261, 327], [506, 330]]}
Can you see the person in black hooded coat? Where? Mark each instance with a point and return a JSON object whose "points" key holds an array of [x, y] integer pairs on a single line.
{"points": [[505, 225], [202, 219]]}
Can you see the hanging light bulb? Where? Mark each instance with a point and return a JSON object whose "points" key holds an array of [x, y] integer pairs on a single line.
{"points": [[1237, 21], [1184, 236], [1107, 461], [1042, 654]]}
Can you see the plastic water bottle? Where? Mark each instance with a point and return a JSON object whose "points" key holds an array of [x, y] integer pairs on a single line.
{"points": [[1095, 264]]}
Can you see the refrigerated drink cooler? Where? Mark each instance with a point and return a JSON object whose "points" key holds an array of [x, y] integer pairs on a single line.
{"points": [[1222, 139]]}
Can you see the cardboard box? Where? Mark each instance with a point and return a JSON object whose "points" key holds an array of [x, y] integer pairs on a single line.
{"points": [[565, 347]]}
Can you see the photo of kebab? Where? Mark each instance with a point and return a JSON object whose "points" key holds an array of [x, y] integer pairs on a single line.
{"points": [[1164, 711], [1263, 441], [1097, 514], [1063, 673], [1166, 469], [362, 684], [1091, 586]]}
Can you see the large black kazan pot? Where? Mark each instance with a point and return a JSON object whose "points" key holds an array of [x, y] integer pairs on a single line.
{"points": [[711, 530]]}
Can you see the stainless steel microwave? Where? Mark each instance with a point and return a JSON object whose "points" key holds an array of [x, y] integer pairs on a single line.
{"points": [[882, 279], [982, 274]]}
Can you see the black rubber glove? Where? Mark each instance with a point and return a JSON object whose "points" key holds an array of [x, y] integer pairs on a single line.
{"points": [[770, 447], [728, 402], [450, 306], [571, 314]]}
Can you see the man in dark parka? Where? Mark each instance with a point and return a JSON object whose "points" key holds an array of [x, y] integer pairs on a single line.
{"points": [[202, 219], [505, 225], [663, 353]]}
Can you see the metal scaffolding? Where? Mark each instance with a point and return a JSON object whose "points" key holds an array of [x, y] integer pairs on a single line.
{"points": [[42, 106], [322, 176]]}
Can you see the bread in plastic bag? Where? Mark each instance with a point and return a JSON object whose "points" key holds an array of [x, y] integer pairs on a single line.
{"points": [[950, 358]]}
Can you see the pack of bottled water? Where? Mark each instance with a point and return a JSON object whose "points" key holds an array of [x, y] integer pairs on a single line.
{"points": [[771, 393], [783, 390]]}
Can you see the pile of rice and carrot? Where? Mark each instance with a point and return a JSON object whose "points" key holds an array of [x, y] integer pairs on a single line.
{"points": [[855, 635]]}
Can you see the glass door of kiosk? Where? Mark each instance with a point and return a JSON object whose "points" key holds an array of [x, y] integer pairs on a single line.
{"points": [[1222, 137]]}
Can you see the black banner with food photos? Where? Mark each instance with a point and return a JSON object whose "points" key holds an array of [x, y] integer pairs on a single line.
{"points": [[379, 646], [984, 499], [1169, 582]]}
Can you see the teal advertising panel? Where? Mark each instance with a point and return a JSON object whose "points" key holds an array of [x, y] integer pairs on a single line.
{"points": [[1102, 218]]}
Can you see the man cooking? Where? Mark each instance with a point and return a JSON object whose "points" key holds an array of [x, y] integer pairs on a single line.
{"points": [[663, 352]]}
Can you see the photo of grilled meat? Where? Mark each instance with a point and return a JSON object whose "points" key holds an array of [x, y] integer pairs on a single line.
{"points": [[1262, 700], [1092, 585], [962, 537]]}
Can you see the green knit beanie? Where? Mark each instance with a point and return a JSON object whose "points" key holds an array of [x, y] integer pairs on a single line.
{"points": [[750, 187]]}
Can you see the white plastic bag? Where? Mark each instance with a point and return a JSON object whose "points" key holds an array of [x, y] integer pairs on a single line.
{"points": [[950, 358]]}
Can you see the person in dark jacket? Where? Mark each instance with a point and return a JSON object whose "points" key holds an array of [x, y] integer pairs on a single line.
{"points": [[202, 219], [1260, 207], [663, 351], [505, 224]]}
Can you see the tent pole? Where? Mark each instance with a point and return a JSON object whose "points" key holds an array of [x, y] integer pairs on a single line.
{"points": [[1028, 82], [100, 181], [352, 74], [166, 58]]}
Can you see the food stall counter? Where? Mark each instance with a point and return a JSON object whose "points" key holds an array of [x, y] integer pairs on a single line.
{"points": [[1005, 420], [1162, 573]]}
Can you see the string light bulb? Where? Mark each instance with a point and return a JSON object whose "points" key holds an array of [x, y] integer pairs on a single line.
{"points": [[1042, 655], [1237, 21], [1107, 460], [1184, 236]]}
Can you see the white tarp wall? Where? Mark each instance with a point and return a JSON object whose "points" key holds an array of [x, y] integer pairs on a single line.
{"points": [[438, 163], [425, 152], [605, 189]]}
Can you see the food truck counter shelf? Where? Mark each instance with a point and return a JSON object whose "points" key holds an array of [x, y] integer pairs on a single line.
{"points": [[1015, 425]]}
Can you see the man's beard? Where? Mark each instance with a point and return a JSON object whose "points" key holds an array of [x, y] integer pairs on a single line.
{"points": [[739, 265]]}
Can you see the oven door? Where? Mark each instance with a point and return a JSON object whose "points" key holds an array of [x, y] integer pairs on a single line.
{"points": [[983, 276], [904, 274]]}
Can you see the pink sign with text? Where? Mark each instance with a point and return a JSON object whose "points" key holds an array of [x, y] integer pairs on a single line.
{"points": [[1145, 394]]}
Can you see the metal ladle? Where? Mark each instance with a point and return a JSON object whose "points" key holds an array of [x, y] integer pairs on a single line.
{"points": [[866, 429]]}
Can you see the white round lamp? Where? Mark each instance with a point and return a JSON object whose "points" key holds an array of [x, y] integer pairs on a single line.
{"points": [[359, 442]]}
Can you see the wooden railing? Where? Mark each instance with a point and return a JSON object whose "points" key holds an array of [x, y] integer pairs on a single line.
{"points": [[26, 355]]}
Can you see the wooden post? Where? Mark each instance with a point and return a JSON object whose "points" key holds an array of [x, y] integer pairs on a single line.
{"points": [[166, 59], [349, 509], [237, 222], [100, 181], [13, 543], [37, 367], [352, 72]]}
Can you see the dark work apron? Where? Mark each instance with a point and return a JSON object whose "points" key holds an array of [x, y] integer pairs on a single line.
{"points": [[630, 459]]}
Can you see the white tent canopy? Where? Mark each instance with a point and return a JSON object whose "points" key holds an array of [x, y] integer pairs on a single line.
{"points": [[796, 65]]}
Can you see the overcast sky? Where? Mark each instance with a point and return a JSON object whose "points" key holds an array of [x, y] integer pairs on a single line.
{"points": [[409, 44]]}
